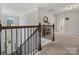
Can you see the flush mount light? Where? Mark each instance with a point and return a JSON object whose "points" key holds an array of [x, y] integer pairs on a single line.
{"points": [[70, 7]]}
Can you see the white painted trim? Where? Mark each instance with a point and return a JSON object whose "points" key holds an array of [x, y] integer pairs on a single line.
{"points": [[69, 33], [72, 33], [46, 41]]}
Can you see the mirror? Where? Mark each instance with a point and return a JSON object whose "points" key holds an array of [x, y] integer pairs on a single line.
{"points": [[45, 19]]}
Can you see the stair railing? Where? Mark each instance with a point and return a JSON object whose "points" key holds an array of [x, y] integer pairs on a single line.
{"points": [[24, 40]]}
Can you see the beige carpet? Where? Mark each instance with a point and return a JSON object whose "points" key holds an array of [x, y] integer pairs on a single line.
{"points": [[65, 44]]}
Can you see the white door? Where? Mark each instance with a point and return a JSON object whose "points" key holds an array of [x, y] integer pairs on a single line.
{"points": [[61, 25]]}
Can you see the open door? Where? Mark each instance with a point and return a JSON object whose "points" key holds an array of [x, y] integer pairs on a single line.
{"points": [[61, 25]]}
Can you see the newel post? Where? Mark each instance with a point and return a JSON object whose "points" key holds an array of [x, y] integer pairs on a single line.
{"points": [[53, 38], [39, 44], [0, 37]]}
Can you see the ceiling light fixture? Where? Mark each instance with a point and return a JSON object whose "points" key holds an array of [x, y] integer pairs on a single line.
{"points": [[70, 7]]}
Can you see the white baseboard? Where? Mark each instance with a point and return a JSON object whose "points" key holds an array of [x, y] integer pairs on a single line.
{"points": [[44, 41], [69, 33]]}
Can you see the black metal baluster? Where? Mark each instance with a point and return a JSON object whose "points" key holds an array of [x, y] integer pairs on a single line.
{"points": [[20, 49], [24, 41], [39, 44], [20, 41], [53, 38], [28, 41], [5, 42], [11, 42]]}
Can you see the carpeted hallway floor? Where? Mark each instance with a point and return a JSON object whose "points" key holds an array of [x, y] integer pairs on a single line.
{"points": [[64, 44]]}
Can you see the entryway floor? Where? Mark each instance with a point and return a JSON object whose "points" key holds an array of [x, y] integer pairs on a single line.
{"points": [[64, 44]]}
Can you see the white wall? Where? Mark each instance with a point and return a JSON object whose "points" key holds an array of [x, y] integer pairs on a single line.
{"points": [[15, 20], [71, 25], [9, 13], [0, 11], [29, 18], [33, 17], [42, 13]]}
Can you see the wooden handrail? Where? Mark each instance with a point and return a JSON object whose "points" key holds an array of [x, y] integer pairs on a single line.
{"points": [[14, 27], [46, 25]]}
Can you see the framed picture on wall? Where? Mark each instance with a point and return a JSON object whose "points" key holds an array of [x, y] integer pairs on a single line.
{"points": [[9, 21]]}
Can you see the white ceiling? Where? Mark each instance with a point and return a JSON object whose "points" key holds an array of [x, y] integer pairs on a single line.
{"points": [[24, 7]]}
